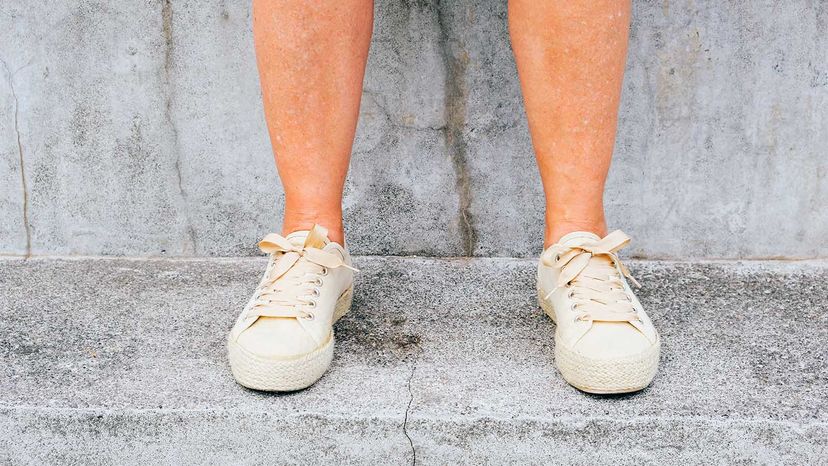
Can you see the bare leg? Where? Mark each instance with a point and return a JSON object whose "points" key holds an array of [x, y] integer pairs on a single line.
{"points": [[311, 57], [570, 58]]}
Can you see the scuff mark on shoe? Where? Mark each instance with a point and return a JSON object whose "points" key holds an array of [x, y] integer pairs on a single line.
{"points": [[22, 160], [167, 30], [456, 60]]}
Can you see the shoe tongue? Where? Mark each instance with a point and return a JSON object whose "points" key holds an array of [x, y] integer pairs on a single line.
{"points": [[297, 238], [317, 237], [578, 237]]}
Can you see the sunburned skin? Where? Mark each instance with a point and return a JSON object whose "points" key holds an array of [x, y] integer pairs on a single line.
{"points": [[311, 57], [570, 58]]}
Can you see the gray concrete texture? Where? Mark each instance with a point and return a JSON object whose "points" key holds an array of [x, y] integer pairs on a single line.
{"points": [[114, 361], [139, 130]]}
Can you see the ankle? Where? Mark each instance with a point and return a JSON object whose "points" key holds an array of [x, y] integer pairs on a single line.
{"points": [[333, 224], [558, 229]]}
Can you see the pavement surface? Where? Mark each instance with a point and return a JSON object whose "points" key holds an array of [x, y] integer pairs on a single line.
{"points": [[122, 361]]}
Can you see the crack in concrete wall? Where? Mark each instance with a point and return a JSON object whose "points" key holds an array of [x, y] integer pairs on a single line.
{"points": [[167, 30], [27, 227], [456, 99]]}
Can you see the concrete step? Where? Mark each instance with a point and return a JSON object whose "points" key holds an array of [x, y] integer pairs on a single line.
{"points": [[118, 361]]}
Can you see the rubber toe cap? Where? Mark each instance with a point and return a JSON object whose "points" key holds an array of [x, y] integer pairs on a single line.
{"points": [[612, 340], [277, 338]]}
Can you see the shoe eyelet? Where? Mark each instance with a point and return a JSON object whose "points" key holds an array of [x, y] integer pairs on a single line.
{"points": [[318, 282], [324, 271], [312, 303], [316, 292], [571, 293], [309, 316]]}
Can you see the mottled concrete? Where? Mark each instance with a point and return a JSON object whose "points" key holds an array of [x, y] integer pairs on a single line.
{"points": [[142, 134], [122, 361]]}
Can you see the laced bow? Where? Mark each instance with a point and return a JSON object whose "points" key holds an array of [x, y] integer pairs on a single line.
{"points": [[591, 272], [294, 278]]}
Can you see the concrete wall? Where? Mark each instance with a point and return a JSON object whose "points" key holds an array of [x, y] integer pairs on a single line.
{"points": [[140, 132]]}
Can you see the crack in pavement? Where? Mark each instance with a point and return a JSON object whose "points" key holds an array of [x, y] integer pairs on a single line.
{"points": [[408, 410], [28, 229]]}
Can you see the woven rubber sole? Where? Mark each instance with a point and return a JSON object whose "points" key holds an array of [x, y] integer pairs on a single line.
{"points": [[604, 376], [284, 375]]}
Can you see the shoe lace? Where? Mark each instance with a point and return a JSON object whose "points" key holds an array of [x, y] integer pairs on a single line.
{"points": [[593, 273], [294, 276]]}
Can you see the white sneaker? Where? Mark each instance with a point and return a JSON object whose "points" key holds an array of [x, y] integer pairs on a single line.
{"points": [[604, 341], [283, 340]]}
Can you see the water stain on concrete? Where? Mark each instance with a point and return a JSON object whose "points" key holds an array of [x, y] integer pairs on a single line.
{"points": [[190, 246], [28, 229], [166, 26], [456, 60], [406, 341]]}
